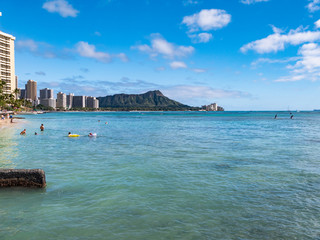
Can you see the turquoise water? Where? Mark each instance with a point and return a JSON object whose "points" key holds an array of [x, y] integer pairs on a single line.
{"points": [[170, 175]]}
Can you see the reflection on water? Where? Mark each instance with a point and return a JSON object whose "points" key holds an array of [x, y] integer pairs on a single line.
{"points": [[8, 147]]}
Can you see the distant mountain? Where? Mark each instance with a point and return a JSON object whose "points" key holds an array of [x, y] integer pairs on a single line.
{"points": [[152, 100]]}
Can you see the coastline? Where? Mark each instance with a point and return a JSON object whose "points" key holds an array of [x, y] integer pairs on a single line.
{"points": [[7, 123]]}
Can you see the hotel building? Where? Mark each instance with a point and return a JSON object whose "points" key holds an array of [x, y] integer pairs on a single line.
{"points": [[46, 98], [212, 107], [92, 102], [61, 100], [79, 102], [7, 62], [31, 90], [70, 100]]}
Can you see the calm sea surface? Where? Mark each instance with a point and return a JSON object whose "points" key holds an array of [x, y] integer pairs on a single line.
{"points": [[170, 175]]}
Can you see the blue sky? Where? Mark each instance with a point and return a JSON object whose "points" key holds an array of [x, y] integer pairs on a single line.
{"points": [[242, 54]]}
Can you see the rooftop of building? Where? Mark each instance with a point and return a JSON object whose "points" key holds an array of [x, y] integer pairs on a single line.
{"points": [[7, 35]]}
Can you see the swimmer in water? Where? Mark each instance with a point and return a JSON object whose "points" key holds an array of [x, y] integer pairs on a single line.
{"points": [[42, 127], [23, 132]]}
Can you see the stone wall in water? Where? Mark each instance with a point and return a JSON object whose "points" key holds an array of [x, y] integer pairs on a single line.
{"points": [[22, 178]]}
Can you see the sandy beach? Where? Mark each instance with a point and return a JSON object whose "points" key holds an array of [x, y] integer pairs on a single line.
{"points": [[8, 123], [5, 122]]}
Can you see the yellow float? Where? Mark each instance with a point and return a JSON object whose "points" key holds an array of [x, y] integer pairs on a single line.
{"points": [[73, 135]]}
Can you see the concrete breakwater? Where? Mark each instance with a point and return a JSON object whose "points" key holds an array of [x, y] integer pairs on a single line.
{"points": [[22, 178]]}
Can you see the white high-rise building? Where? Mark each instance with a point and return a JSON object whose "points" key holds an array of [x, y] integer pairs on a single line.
{"points": [[212, 107], [7, 65], [61, 100]]}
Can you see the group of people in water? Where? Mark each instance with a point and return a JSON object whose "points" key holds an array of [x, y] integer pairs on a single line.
{"points": [[291, 116], [24, 132]]}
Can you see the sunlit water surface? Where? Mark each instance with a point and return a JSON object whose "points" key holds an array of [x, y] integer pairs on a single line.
{"points": [[170, 175]]}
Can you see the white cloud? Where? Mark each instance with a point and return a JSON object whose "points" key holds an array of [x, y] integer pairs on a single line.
{"points": [[277, 41], [317, 23], [268, 60], [28, 44], [97, 33], [199, 70], [310, 61], [201, 37], [176, 65], [248, 2], [314, 5], [41, 49], [123, 57], [188, 93], [207, 19], [62, 7], [307, 67], [190, 2], [160, 46], [87, 50], [160, 69]]}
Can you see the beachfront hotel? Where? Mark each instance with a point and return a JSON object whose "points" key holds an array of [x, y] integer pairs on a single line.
{"points": [[31, 90], [47, 98], [70, 100], [212, 107], [61, 100], [92, 102], [79, 102], [7, 62]]}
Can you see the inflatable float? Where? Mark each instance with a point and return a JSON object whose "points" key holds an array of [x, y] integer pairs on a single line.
{"points": [[73, 135]]}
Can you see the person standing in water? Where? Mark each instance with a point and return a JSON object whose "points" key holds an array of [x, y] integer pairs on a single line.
{"points": [[275, 117], [42, 127]]}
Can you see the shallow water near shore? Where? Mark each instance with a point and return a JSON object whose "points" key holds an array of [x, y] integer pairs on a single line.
{"points": [[165, 175]]}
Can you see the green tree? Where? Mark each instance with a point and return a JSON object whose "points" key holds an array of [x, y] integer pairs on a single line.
{"points": [[8, 101]]}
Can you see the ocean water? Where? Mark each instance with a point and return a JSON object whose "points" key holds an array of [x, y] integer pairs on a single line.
{"points": [[165, 175]]}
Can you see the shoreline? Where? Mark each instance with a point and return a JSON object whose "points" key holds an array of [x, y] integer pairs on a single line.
{"points": [[7, 123]]}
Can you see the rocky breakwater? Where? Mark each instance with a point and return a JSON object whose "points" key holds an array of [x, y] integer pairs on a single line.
{"points": [[22, 178]]}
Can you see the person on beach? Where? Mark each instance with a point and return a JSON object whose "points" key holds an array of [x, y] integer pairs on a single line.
{"points": [[23, 132], [11, 120], [42, 127]]}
